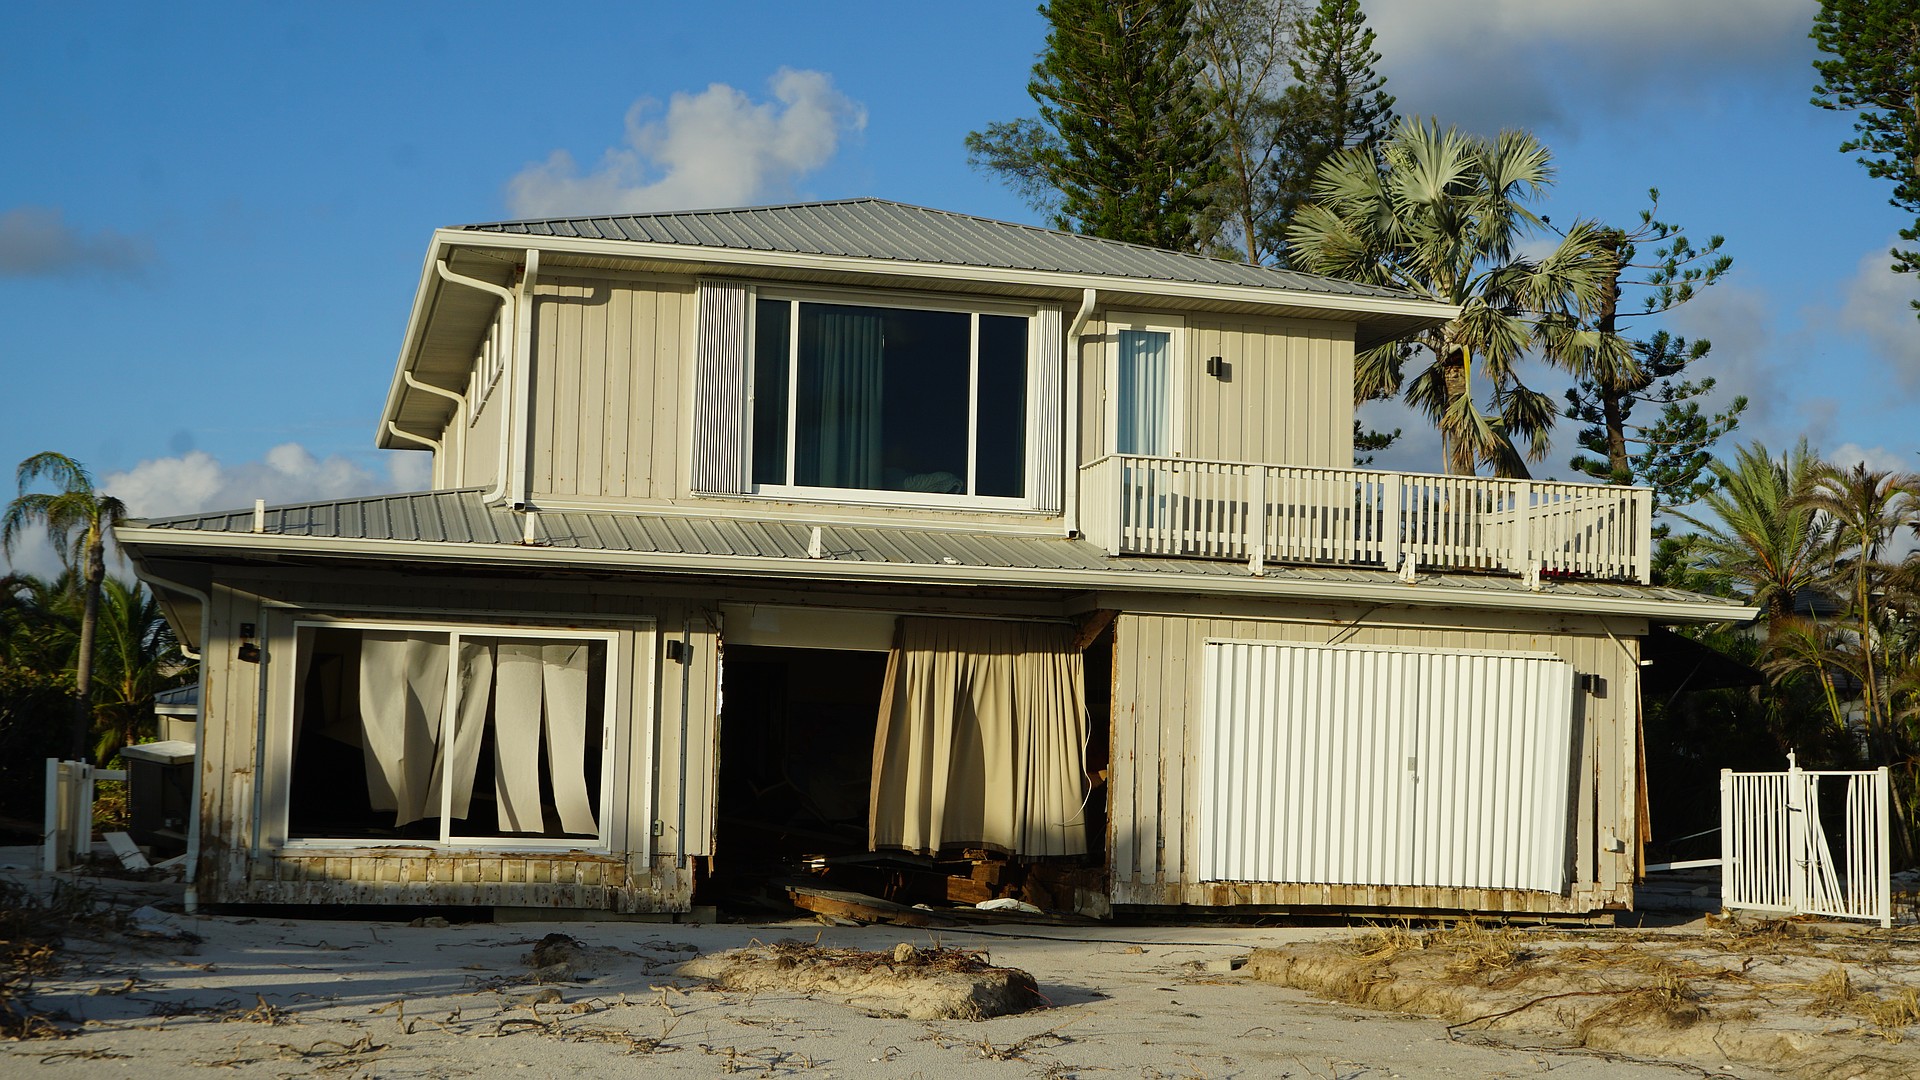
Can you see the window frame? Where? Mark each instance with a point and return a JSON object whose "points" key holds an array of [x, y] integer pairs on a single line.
{"points": [[972, 307], [1175, 327], [616, 736]]}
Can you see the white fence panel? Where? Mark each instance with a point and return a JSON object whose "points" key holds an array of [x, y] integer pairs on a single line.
{"points": [[1359, 765], [1778, 834]]}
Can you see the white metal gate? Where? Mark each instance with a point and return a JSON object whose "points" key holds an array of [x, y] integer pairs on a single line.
{"points": [[1807, 842], [1361, 765]]}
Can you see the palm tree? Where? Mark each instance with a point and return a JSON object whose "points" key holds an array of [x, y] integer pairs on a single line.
{"points": [[1439, 213], [77, 518], [1866, 507], [1767, 542], [138, 657]]}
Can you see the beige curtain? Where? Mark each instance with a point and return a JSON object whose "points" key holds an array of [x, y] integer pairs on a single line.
{"points": [[981, 740], [403, 685]]}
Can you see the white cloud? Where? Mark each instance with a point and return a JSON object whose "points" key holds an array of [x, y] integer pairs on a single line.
{"points": [[1877, 306], [718, 147], [197, 481], [1877, 458], [36, 241], [1521, 63]]}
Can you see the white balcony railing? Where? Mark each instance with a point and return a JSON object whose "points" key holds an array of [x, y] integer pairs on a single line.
{"points": [[1358, 517]]}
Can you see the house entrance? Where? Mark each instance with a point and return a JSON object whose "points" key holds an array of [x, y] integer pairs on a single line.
{"points": [[796, 760]]}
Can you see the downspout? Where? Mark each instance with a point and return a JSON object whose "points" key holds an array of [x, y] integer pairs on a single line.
{"points": [[431, 444], [191, 899], [458, 423], [523, 381], [1071, 402], [510, 311]]}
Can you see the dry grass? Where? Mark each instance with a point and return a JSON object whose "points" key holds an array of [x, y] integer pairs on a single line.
{"points": [[32, 928]]}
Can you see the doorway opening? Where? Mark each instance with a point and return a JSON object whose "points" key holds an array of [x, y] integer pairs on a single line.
{"points": [[796, 761]]}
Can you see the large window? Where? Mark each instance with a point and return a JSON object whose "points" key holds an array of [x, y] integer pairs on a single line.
{"points": [[405, 734], [925, 402], [1143, 411]]}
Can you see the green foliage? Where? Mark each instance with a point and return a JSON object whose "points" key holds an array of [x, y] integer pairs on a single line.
{"points": [[1764, 542], [1873, 71], [1367, 442], [1124, 136], [1617, 372], [34, 706], [1439, 213], [1337, 101]]}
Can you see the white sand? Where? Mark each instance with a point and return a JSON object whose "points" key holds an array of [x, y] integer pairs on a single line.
{"points": [[385, 999]]}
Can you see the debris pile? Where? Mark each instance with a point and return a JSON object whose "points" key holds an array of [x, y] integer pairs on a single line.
{"points": [[907, 981]]}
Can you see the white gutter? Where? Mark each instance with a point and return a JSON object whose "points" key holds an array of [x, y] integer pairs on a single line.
{"points": [[1070, 401], [523, 383], [1262, 295], [511, 314], [431, 444], [1273, 586], [192, 897], [458, 425]]}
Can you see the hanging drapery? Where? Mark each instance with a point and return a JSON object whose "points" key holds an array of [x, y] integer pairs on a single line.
{"points": [[541, 687], [1145, 406], [403, 688], [474, 687], [841, 407], [981, 740], [516, 737], [565, 684]]}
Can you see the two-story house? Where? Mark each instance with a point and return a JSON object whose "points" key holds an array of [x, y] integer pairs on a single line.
{"points": [[855, 526]]}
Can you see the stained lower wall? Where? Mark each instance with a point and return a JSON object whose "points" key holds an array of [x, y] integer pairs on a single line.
{"points": [[242, 776], [1155, 780]]}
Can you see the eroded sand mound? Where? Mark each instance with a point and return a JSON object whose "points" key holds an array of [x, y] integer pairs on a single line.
{"points": [[1776, 996], [917, 984]]}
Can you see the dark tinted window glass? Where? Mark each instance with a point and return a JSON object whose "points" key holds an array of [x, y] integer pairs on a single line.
{"points": [[882, 400], [770, 352], [1000, 452]]}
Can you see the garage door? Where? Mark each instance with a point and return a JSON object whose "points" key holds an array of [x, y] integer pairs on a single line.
{"points": [[1374, 766]]}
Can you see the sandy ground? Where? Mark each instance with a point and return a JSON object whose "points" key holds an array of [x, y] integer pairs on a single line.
{"points": [[279, 997]]}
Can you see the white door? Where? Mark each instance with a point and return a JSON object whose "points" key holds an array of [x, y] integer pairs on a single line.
{"points": [[1358, 765], [1145, 388]]}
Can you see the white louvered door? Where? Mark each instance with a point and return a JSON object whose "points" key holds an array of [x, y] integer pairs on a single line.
{"points": [[1358, 765]]}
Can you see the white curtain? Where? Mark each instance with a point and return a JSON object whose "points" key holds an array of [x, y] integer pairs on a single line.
{"points": [[403, 689], [981, 740], [541, 687], [474, 687], [1145, 406]]}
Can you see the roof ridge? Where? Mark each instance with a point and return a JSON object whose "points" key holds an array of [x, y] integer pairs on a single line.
{"points": [[876, 200]]}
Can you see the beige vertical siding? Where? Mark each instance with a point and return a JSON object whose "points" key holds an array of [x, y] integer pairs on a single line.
{"points": [[624, 879], [609, 381], [480, 464], [1158, 675], [1287, 397]]}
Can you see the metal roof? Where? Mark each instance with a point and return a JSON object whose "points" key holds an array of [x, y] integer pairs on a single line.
{"points": [[881, 229], [573, 538]]}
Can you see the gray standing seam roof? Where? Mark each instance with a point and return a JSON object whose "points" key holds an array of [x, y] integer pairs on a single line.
{"points": [[880, 229], [462, 517]]}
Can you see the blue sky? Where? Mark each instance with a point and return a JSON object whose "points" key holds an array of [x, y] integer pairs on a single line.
{"points": [[212, 216]]}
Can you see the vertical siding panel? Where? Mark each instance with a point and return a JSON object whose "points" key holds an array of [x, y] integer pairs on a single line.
{"points": [[673, 354], [561, 408], [1093, 390], [618, 376], [1257, 423], [1147, 766], [1122, 810], [1339, 410], [596, 309], [544, 385], [642, 386]]}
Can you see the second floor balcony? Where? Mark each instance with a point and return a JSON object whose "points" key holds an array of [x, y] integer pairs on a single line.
{"points": [[1258, 513]]}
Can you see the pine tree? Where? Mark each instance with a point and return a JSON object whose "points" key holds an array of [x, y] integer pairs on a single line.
{"points": [[1875, 72], [1337, 101], [1615, 372], [1124, 136]]}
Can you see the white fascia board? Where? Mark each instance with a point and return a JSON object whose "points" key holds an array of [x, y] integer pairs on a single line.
{"points": [[423, 295], [1067, 282], [419, 553]]}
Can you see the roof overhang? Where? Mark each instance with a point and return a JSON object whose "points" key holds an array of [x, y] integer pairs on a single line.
{"points": [[447, 322], [182, 543]]}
